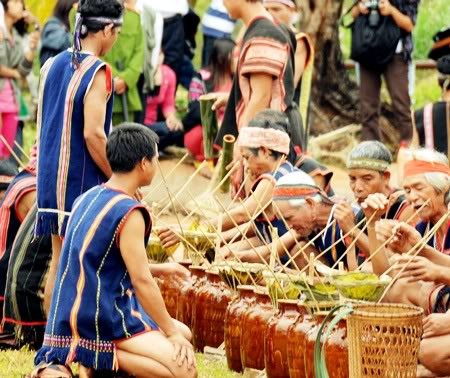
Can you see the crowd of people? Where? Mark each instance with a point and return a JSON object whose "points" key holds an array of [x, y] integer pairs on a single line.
{"points": [[75, 282]]}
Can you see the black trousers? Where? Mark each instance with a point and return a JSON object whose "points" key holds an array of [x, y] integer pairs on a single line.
{"points": [[396, 77]]}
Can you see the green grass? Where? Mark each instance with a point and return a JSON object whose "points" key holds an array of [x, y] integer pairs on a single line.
{"points": [[16, 364]]}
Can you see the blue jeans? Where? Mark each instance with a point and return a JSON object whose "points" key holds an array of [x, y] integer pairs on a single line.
{"points": [[166, 136]]}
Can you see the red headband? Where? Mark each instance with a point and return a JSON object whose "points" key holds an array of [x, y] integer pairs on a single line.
{"points": [[294, 191], [419, 167]]}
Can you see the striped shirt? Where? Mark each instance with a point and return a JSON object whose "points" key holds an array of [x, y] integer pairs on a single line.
{"points": [[216, 21]]}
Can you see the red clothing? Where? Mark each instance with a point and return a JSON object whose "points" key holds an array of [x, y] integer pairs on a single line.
{"points": [[165, 99]]}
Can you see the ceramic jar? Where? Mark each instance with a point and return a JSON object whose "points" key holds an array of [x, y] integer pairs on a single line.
{"points": [[311, 337], [233, 325], [296, 343], [276, 338], [209, 312], [253, 329], [170, 289], [188, 290]]}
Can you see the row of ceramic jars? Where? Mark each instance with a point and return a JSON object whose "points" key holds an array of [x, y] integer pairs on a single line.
{"points": [[287, 337]]}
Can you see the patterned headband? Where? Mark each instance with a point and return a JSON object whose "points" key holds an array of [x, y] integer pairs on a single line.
{"points": [[371, 164], [294, 191], [81, 30], [256, 137]]}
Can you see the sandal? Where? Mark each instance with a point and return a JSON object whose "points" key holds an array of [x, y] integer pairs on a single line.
{"points": [[51, 370]]}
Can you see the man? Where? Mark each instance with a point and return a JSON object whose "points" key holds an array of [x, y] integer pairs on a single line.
{"points": [[403, 13], [424, 281], [107, 311], [432, 123], [265, 73], [75, 111]]}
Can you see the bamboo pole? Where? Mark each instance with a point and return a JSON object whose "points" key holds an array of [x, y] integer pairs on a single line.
{"points": [[22, 150], [209, 124], [5, 142]]}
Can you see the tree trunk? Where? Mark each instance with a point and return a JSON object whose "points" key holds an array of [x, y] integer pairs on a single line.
{"points": [[335, 96]]}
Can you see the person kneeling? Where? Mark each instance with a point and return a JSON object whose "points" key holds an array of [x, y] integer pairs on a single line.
{"points": [[107, 312]]}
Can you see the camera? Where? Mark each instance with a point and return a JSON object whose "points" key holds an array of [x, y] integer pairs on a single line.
{"points": [[374, 14]]}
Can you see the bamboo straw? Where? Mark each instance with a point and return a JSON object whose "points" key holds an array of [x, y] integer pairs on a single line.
{"points": [[167, 176], [386, 242], [4, 141], [22, 150], [182, 187], [210, 194], [209, 124], [417, 248]]}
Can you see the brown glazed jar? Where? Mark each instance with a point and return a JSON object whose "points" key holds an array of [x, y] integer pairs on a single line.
{"points": [[336, 348], [170, 289], [297, 342], [233, 325], [253, 330], [209, 312], [310, 343], [276, 338], [187, 294]]}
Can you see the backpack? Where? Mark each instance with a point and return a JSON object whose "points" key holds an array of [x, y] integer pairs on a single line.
{"points": [[373, 46]]}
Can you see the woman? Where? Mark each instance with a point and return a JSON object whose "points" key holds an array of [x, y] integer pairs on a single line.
{"points": [[216, 77], [15, 63], [56, 33]]}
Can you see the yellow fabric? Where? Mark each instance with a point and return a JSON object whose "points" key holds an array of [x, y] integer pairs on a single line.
{"points": [[41, 9]]}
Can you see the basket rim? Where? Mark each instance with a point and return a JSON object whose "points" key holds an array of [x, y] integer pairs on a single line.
{"points": [[413, 311]]}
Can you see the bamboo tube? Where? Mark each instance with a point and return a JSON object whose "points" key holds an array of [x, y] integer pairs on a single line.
{"points": [[226, 159], [413, 253], [273, 252], [209, 124], [4, 141]]}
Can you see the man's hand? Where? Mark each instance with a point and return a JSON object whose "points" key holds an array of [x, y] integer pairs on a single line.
{"points": [[174, 270], [221, 100], [375, 205], [183, 350], [120, 87], [418, 268], [173, 123], [385, 7], [33, 40], [345, 216], [168, 237], [436, 325], [403, 236]]}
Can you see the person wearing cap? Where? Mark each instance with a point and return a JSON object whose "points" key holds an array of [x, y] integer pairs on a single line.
{"points": [[75, 111], [368, 172], [432, 122]]}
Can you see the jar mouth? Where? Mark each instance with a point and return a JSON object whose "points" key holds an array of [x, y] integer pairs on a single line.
{"points": [[246, 287]]}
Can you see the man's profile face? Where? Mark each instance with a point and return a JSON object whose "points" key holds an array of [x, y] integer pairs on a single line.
{"points": [[364, 182]]}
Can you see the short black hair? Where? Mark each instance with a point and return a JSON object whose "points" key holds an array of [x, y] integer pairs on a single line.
{"points": [[128, 144], [98, 8], [62, 10], [7, 169]]}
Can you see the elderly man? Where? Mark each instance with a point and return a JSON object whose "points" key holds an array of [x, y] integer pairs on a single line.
{"points": [[425, 279]]}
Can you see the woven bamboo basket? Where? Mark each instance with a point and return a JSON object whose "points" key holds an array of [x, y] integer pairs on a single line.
{"points": [[384, 340]]}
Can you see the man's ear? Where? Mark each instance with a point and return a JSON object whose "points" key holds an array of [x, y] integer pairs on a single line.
{"points": [[310, 202], [264, 151], [387, 175], [108, 30]]}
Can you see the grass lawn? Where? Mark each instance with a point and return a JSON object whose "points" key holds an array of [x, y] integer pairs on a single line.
{"points": [[16, 364]]}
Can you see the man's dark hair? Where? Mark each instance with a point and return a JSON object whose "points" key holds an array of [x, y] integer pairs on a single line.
{"points": [[99, 8], [128, 144], [270, 119]]}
